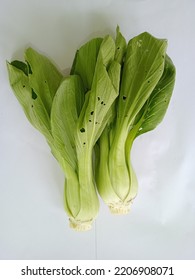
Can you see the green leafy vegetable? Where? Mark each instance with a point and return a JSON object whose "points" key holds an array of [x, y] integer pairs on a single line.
{"points": [[71, 112], [114, 93], [146, 86]]}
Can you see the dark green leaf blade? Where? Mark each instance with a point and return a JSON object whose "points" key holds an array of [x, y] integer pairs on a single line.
{"points": [[156, 106]]}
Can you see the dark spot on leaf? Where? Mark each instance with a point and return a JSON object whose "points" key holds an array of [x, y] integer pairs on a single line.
{"points": [[82, 130], [96, 122], [32, 106], [84, 143], [98, 98], [118, 48], [20, 65], [89, 120], [92, 112], [148, 81], [124, 97], [45, 82], [34, 95], [23, 86], [102, 102]]}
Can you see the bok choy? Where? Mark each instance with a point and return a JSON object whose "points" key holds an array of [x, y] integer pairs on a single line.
{"points": [[90, 118], [147, 82], [71, 113]]}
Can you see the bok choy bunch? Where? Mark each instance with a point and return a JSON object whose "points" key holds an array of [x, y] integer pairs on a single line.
{"points": [[114, 93]]}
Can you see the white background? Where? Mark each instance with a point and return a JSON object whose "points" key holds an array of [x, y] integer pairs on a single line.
{"points": [[33, 224]]}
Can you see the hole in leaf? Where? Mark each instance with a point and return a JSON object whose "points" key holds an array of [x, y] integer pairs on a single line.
{"points": [[34, 95], [82, 130]]}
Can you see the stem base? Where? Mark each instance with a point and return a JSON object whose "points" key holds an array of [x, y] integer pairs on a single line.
{"points": [[122, 208], [80, 225]]}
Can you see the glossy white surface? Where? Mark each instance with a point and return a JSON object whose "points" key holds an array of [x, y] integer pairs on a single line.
{"points": [[161, 224]]}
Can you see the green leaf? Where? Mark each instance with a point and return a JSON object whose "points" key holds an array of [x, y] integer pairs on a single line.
{"points": [[120, 46], [101, 96], [143, 67], [31, 103], [64, 116], [85, 61], [44, 78], [114, 72], [156, 106]]}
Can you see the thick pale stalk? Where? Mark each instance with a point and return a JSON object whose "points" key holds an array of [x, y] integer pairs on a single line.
{"points": [[116, 180], [81, 200]]}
